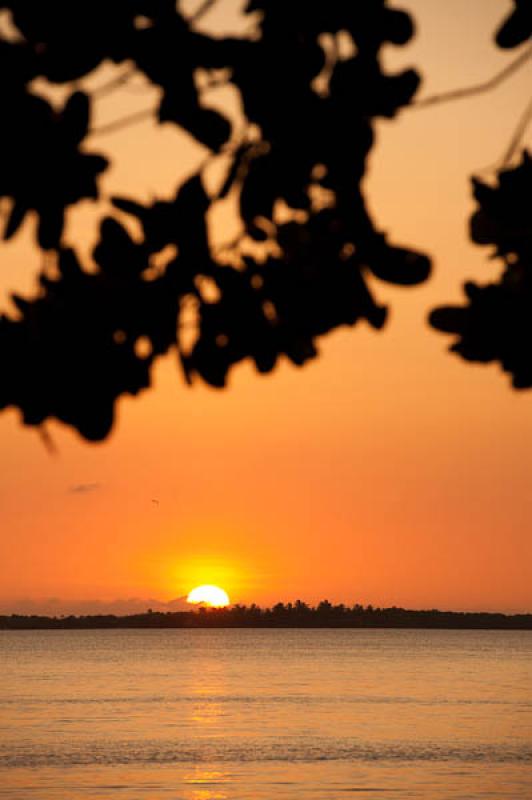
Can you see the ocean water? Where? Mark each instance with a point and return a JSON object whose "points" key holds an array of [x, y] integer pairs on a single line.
{"points": [[264, 714]]}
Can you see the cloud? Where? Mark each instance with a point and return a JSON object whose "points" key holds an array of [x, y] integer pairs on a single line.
{"points": [[84, 488], [55, 606]]}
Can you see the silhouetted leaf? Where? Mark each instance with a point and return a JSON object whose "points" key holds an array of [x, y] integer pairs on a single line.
{"points": [[90, 336], [517, 28], [496, 325]]}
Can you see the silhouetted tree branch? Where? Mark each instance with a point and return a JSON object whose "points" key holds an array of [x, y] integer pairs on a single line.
{"points": [[114, 83], [496, 325], [89, 336], [123, 122], [478, 88], [204, 8], [524, 122]]}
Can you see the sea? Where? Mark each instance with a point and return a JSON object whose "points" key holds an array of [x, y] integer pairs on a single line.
{"points": [[278, 714]]}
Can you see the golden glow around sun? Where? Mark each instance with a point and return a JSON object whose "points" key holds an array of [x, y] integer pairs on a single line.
{"points": [[211, 595]]}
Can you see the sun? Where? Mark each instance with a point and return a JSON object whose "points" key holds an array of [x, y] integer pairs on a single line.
{"points": [[211, 595]]}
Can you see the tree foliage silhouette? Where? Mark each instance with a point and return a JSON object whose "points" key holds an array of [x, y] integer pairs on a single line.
{"points": [[497, 323], [91, 335], [281, 615]]}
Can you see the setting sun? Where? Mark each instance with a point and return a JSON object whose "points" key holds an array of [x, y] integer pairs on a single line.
{"points": [[211, 595]]}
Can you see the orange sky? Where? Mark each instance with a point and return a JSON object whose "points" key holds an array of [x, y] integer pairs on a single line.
{"points": [[386, 472]]}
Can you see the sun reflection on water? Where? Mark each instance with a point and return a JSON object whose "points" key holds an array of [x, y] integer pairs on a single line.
{"points": [[204, 784], [206, 713]]}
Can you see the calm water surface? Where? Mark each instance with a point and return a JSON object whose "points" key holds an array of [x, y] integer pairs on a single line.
{"points": [[263, 714]]}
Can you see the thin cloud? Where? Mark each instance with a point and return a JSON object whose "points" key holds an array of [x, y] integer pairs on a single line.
{"points": [[55, 606]]}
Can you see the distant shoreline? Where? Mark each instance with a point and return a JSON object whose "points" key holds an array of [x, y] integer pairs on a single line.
{"points": [[296, 615]]}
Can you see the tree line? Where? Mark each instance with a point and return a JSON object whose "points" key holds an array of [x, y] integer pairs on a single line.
{"points": [[281, 615]]}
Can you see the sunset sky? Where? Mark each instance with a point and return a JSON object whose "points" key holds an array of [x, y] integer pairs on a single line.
{"points": [[386, 472]]}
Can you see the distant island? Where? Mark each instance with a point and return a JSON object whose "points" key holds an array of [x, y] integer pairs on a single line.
{"points": [[281, 615]]}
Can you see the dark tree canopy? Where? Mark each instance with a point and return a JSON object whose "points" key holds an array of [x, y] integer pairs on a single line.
{"points": [[497, 323], [93, 332]]}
